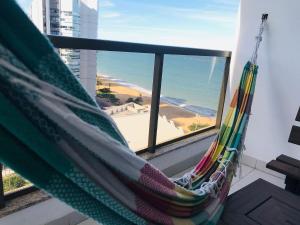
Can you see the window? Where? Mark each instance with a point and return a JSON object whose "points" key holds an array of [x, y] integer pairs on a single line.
{"points": [[124, 84], [190, 93]]}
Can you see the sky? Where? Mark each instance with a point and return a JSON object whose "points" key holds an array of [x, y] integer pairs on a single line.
{"points": [[209, 24]]}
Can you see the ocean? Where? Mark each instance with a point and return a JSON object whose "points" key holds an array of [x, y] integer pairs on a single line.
{"points": [[191, 82]]}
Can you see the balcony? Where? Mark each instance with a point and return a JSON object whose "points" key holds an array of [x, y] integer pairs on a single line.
{"points": [[172, 154], [155, 99], [149, 106]]}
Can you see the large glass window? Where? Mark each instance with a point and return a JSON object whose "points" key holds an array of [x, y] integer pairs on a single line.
{"points": [[190, 94], [124, 84], [121, 83]]}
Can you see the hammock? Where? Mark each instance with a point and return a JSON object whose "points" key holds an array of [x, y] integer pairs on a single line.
{"points": [[54, 134]]}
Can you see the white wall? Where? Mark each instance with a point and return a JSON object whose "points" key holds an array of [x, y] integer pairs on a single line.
{"points": [[277, 95]]}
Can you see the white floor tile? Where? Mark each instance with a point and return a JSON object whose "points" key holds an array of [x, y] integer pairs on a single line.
{"points": [[254, 175], [245, 170]]}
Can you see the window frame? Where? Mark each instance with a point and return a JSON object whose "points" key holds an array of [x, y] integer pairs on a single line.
{"points": [[159, 51]]}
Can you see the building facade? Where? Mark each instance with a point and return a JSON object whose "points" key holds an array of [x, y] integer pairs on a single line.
{"points": [[88, 58], [73, 18]]}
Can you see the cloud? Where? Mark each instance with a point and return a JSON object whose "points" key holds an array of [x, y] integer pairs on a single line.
{"points": [[109, 15], [166, 36], [106, 4], [209, 26], [221, 11], [183, 39], [25, 4], [106, 11], [229, 3], [155, 29], [204, 15], [211, 16]]}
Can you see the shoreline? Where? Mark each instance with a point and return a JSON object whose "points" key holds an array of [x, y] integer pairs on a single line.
{"points": [[181, 115], [199, 110]]}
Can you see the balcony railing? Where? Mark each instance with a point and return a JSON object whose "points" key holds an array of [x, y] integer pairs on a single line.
{"points": [[12, 185], [160, 53]]}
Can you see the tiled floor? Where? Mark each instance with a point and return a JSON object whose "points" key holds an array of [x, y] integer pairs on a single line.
{"points": [[248, 175]]}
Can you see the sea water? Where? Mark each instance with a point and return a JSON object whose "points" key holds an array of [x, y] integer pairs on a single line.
{"points": [[191, 82]]}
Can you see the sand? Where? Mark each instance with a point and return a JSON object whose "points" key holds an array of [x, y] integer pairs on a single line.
{"points": [[184, 118], [123, 92], [181, 117]]}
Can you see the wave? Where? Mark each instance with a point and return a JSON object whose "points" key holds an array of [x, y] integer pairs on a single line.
{"points": [[200, 110], [126, 84]]}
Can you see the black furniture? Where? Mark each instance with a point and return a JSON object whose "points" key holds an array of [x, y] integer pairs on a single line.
{"points": [[295, 132], [261, 203], [289, 167]]}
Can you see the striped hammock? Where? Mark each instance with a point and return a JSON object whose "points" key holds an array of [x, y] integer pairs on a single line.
{"points": [[53, 134]]}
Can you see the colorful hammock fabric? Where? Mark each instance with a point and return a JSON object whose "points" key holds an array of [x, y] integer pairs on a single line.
{"points": [[53, 134]]}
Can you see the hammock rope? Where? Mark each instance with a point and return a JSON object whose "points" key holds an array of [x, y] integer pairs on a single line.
{"points": [[53, 134], [259, 38]]}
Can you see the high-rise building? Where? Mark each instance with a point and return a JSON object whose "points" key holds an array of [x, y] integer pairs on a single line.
{"points": [[88, 58], [73, 18]]}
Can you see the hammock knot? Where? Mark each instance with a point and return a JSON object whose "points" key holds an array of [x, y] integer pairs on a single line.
{"points": [[215, 183], [258, 38], [186, 180], [232, 149]]}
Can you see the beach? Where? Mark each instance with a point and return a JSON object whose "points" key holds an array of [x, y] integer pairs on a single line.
{"points": [[122, 93]]}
